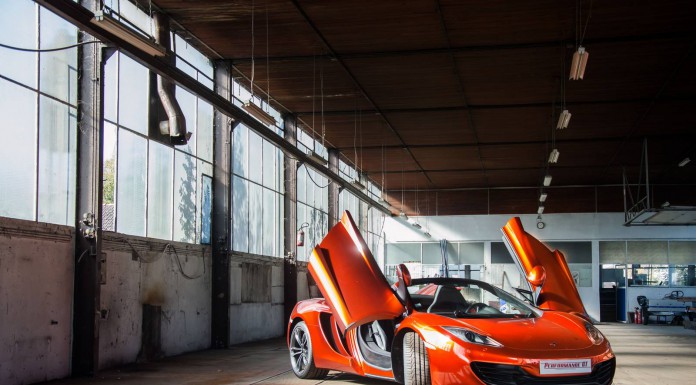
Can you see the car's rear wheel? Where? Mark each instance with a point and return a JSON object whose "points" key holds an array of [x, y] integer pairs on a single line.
{"points": [[302, 355], [416, 364]]}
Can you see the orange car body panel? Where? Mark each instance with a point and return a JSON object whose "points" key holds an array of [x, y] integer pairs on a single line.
{"points": [[344, 270], [558, 291]]}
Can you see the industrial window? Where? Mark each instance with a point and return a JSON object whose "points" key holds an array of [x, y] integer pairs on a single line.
{"points": [[650, 263], [257, 194], [152, 188], [38, 115]]}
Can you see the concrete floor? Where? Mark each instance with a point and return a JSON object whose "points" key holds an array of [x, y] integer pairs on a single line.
{"points": [[646, 355]]}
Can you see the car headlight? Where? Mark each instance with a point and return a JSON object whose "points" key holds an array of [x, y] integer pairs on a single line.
{"points": [[467, 335], [593, 334]]}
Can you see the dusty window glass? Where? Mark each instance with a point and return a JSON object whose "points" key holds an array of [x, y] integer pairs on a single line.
{"points": [[111, 88], [133, 95], [185, 177], [240, 151], [131, 183], [255, 219], [57, 162], [269, 165], [159, 192], [204, 131], [240, 214], [255, 157], [58, 71], [269, 224], [188, 103], [18, 29], [648, 275], [18, 130], [684, 275]]}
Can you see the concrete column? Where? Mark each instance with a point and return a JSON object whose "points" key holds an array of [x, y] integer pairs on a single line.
{"points": [[220, 323], [290, 220], [334, 215], [87, 286]]}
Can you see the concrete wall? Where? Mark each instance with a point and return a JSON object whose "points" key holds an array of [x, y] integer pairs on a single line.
{"points": [[151, 276], [256, 315], [36, 295], [559, 227]]}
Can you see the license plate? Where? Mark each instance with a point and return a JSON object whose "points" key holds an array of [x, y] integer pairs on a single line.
{"points": [[551, 367]]}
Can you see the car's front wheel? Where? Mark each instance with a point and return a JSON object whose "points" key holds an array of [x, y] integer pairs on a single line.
{"points": [[416, 364], [302, 355]]}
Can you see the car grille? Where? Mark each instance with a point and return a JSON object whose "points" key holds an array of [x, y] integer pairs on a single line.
{"points": [[495, 374]]}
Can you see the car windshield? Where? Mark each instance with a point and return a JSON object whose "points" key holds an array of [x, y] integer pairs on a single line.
{"points": [[465, 298]]}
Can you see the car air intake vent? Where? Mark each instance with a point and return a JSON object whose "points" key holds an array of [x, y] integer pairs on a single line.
{"points": [[495, 374]]}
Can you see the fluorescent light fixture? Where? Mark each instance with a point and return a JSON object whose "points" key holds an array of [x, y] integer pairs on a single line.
{"points": [[563, 120], [542, 197], [358, 184], [540, 210], [384, 202], [553, 156], [684, 162], [547, 180], [317, 158], [427, 234], [577, 68], [108, 23], [258, 113], [415, 224], [403, 216]]}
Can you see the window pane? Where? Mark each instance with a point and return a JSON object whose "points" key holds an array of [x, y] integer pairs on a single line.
{"points": [[205, 174], [18, 29], [59, 68], [240, 150], [136, 16], [57, 156], [109, 177], [193, 56], [302, 184], [111, 88], [647, 252], [132, 183], [18, 156], [184, 198], [240, 214], [269, 212], [648, 275], [159, 193], [269, 165], [187, 102], [255, 157], [684, 275], [612, 252], [204, 131], [133, 97], [255, 219], [682, 252]]}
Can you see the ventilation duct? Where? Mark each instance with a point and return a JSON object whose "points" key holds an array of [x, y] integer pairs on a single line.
{"points": [[175, 125]]}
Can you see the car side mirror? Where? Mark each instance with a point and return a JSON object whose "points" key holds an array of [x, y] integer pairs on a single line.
{"points": [[537, 276]]}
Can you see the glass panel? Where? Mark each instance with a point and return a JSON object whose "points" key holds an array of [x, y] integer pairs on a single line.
{"points": [[280, 225], [612, 252], [18, 157], [240, 214], [111, 88], [255, 157], [109, 176], [648, 275], [647, 252], [240, 150], [403, 252], [57, 151], [684, 275], [134, 82], [432, 253], [471, 253], [255, 219], [184, 197], [136, 16], [574, 252], [269, 163], [269, 229], [159, 193], [131, 184], [187, 102], [18, 29], [302, 184], [193, 56], [204, 131], [59, 68], [682, 252], [206, 208]]}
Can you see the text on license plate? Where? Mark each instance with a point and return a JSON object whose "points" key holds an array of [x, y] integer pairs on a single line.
{"points": [[547, 367]]}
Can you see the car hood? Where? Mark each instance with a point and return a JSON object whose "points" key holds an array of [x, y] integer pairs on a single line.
{"points": [[558, 291], [352, 283], [553, 330]]}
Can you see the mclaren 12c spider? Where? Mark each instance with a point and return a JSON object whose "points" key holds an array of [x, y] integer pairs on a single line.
{"points": [[444, 331]]}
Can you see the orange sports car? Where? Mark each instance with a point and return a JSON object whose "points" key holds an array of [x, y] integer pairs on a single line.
{"points": [[445, 330]]}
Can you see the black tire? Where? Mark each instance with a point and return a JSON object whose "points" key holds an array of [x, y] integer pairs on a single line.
{"points": [[302, 355], [416, 364]]}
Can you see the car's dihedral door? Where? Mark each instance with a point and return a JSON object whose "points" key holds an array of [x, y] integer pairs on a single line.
{"points": [[349, 278], [558, 291]]}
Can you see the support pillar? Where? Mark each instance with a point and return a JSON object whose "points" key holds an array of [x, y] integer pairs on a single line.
{"points": [[220, 324], [88, 258], [334, 215], [290, 220]]}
